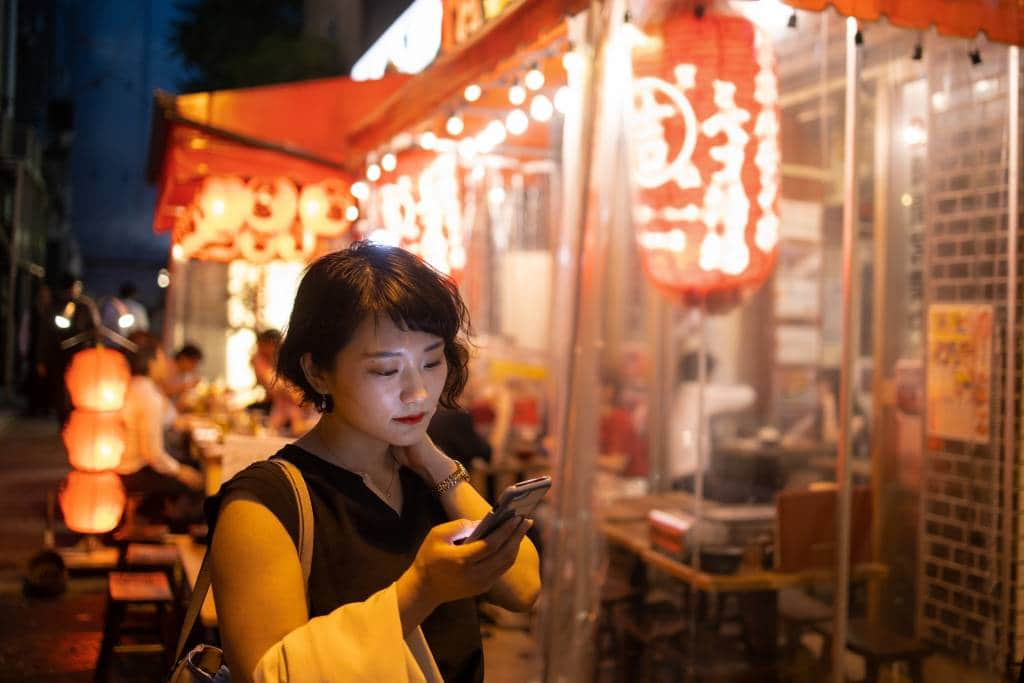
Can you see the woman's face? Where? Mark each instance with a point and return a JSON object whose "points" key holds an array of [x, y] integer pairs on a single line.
{"points": [[387, 381]]}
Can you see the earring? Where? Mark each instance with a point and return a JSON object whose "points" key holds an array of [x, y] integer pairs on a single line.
{"points": [[325, 403]]}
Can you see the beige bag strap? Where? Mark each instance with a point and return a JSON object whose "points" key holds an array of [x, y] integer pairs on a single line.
{"points": [[202, 586], [305, 518]]}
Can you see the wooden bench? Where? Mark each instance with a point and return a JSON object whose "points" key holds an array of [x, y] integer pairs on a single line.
{"points": [[148, 595]]}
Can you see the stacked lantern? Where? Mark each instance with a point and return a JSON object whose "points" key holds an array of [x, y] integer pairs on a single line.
{"points": [[706, 157], [92, 497]]}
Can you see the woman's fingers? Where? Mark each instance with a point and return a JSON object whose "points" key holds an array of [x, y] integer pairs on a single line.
{"points": [[504, 556]]}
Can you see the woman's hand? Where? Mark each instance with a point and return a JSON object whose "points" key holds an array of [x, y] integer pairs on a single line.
{"points": [[444, 572], [425, 459]]}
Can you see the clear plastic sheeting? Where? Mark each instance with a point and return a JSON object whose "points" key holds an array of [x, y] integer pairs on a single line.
{"points": [[592, 156]]}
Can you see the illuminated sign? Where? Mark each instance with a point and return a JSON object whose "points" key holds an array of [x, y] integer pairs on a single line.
{"points": [[409, 45]]}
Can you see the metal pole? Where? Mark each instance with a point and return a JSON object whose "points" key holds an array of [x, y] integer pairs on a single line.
{"points": [[11, 323], [849, 345], [1010, 379]]}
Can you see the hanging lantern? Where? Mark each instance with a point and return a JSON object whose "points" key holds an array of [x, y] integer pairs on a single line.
{"points": [[97, 379], [92, 503], [223, 205], [322, 207], [706, 156], [94, 440], [273, 205]]}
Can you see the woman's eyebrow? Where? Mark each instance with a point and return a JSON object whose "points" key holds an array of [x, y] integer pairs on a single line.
{"points": [[393, 354]]}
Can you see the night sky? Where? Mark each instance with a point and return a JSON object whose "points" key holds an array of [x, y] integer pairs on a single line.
{"points": [[119, 55]]}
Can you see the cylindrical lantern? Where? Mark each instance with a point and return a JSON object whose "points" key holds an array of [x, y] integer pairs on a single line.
{"points": [[92, 503], [94, 440], [322, 207], [706, 162], [97, 379]]}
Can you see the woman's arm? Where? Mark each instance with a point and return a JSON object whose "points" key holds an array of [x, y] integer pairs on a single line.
{"points": [[519, 587], [264, 622], [256, 610]]}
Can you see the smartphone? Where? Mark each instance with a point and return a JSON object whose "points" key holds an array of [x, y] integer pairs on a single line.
{"points": [[517, 500]]}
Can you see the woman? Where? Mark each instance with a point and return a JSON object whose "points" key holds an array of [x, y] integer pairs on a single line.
{"points": [[374, 342], [146, 467]]}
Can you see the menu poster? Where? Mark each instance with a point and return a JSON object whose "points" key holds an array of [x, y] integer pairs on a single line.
{"points": [[959, 371]]}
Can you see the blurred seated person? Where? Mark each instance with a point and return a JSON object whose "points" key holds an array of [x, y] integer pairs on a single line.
{"points": [[283, 404], [146, 467], [821, 425], [184, 378], [622, 448], [719, 399], [264, 365]]}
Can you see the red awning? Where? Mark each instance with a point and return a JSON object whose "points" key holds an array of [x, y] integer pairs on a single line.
{"points": [[1000, 20], [295, 129]]}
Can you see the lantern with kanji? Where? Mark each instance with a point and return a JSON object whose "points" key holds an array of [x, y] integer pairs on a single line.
{"points": [[94, 440], [92, 502], [705, 156], [97, 379]]}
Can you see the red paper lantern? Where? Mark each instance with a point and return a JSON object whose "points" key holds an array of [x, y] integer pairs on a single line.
{"points": [[92, 503], [94, 440], [97, 379], [706, 156]]}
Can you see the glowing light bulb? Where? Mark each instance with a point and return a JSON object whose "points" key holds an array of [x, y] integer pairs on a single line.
{"points": [[311, 207], [126, 321], [61, 322], [360, 190], [562, 100], [373, 172], [455, 125], [428, 140], [472, 92], [217, 207], [534, 79], [517, 122], [163, 279], [496, 195], [571, 61], [467, 148], [352, 213], [178, 252], [541, 108], [516, 95], [388, 162]]}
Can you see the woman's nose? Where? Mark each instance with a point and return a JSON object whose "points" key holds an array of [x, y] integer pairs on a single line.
{"points": [[414, 389]]}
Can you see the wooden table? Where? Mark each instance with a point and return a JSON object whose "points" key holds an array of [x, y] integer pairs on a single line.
{"points": [[192, 554], [624, 524], [634, 537], [223, 456]]}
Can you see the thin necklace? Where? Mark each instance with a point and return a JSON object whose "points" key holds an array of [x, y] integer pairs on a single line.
{"points": [[394, 470]]}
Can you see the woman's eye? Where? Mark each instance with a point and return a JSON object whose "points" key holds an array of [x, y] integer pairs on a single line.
{"points": [[433, 364], [385, 373]]}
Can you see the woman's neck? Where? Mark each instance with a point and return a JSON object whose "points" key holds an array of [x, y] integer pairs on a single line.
{"points": [[341, 445]]}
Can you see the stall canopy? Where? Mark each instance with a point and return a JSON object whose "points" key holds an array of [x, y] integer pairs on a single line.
{"points": [[295, 129], [999, 20]]}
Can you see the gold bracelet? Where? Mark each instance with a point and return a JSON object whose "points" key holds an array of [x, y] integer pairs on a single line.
{"points": [[459, 475]]}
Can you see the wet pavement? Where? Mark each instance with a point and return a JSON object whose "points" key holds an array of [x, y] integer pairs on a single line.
{"points": [[41, 640]]}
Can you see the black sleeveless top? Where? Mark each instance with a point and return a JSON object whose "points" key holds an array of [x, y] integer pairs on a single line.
{"points": [[361, 546]]}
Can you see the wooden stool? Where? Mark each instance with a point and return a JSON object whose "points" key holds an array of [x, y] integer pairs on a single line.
{"points": [[799, 612], [878, 646], [149, 594]]}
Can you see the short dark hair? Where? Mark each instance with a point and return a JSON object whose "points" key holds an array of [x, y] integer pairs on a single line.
{"points": [[128, 290], [371, 281], [147, 346], [191, 351], [269, 335]]}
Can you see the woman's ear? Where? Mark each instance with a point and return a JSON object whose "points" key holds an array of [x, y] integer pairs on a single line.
{"points": [[312, 372]]}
